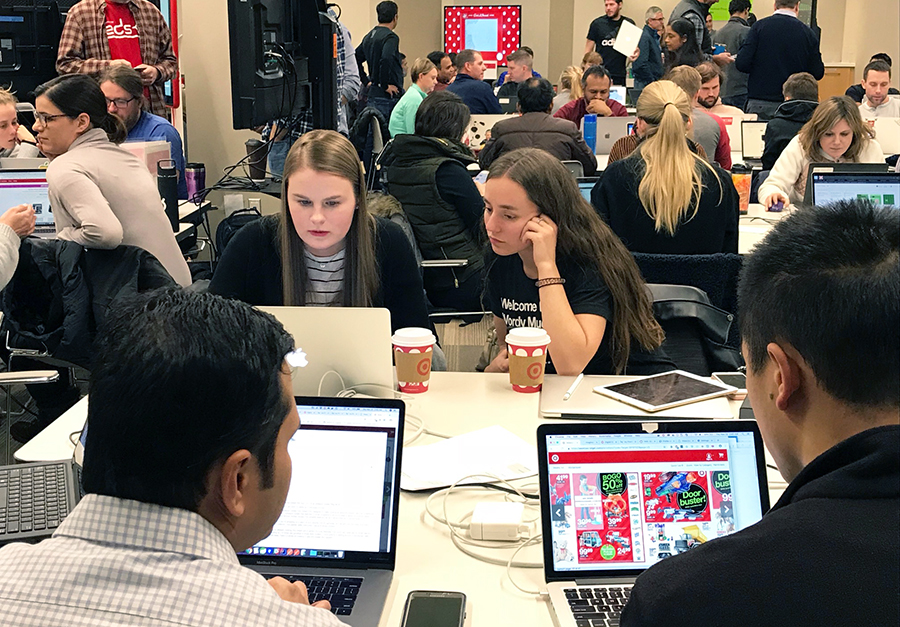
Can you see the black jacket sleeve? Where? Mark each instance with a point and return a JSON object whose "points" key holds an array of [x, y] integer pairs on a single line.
{"points": [[401, 288], [731, 207], [455, 185], [250, 268], [390, 72]]}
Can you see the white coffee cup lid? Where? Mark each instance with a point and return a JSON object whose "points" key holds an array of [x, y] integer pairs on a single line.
{"points": [[413, 336], [527, 336]]}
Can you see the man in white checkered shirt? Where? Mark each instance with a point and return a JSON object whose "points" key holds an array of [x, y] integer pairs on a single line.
{"points": [[190, 415]]}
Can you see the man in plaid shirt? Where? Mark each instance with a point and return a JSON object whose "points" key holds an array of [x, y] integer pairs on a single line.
{"points": [[101, 33]]}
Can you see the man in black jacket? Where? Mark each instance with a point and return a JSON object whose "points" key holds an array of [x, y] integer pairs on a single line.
{"points": [[380, 51], [536, 128], [801, 97], [776, 47], [824, 384]]}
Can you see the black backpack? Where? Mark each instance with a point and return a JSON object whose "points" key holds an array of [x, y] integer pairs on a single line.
{"points": [[231, 225]]}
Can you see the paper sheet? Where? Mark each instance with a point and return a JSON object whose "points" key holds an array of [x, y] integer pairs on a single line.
{"points": [[493, 449], [627, 39]]}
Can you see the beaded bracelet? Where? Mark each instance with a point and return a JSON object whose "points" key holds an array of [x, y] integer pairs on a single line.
{"points": [[550, 281]]}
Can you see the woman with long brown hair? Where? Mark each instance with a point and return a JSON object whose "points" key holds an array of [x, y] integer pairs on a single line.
{"points": [[836, 133], [557, 265], [324, 248]]}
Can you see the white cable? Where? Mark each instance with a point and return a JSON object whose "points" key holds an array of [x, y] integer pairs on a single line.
{"points": [[530, 541], [325, 376]]}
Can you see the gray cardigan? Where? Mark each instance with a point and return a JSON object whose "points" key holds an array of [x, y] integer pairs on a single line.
{"points": [[103, 196]]}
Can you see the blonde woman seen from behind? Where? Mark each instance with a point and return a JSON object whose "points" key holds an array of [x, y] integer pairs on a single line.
{"points": [[664, 198], [835, 133], [569, 88]]}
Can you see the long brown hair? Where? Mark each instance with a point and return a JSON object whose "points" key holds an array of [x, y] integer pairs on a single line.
{"points": [[823, 119], [331, 152], [584, 237]]}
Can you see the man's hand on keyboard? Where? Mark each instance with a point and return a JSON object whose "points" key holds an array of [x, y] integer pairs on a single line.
{"points": [[295, 592]]}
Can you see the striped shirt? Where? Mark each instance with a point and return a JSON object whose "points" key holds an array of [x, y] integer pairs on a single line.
{"points": [[326, 278]]}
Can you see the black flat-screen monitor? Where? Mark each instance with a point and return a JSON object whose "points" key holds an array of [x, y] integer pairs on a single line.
{"points": [[29, 41], [283, 61]]}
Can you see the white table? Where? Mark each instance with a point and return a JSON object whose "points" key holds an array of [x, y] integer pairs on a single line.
{"points": [[456, 403], [754, 226]]}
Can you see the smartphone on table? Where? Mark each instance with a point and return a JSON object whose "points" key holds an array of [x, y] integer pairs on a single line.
{"points": [[734, 379], [433, 608]]}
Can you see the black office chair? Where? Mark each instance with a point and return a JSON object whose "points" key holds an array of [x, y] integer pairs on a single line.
{"points": [[696, 331]]}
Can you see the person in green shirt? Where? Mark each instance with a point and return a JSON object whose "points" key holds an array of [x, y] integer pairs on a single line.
{"points": [[403, 117]]}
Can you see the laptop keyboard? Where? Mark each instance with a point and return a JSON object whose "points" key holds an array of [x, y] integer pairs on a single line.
{"points": [[341, 592], [597, 607], [32, 498]]}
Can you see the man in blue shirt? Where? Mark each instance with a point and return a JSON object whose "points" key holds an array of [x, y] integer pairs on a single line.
{"points": [[648, 66], [469, 86], [124, 93]]}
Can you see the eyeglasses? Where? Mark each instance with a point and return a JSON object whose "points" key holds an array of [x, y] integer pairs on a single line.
{"points": [[119, 102], [43, 118]]}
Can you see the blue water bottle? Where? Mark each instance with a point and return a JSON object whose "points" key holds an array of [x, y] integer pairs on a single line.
{"points": [[590, 131]]}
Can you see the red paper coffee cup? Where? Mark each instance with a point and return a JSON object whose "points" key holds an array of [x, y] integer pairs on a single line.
{"points": [[413, 349], [527, 348]]}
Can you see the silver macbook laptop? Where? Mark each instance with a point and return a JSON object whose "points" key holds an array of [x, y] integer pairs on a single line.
{"points": [[353, 342], [28, 187], [338, 529], [609, 131], [880, 188], [752, 141], [24, 163], [618, 497]]}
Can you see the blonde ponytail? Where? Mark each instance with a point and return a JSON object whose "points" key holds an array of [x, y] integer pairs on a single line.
{"points": [[672, 177]]}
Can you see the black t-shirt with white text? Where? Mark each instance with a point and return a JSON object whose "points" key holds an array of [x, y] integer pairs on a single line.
{"points": [[511, 295], [603, 32]]}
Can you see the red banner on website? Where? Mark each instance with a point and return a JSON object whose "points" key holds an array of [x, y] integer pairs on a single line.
{"points": [[719, 455]]}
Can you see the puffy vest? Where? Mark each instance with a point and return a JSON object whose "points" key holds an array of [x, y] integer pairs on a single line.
{"points": [[439, 230]]}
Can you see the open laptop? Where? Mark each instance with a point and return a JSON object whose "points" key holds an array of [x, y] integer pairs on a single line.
{"points": [[28, 187], [354, 342], [753, 142], [881, 188], [586, 184], [610, 130], [509, 104], [338, 529], [838, 168], [618, 497], [887, 133]]}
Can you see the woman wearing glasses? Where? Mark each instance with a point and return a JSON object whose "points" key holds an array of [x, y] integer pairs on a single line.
{"points": [[101, 195]]}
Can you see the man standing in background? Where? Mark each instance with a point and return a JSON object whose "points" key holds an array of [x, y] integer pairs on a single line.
{"points": [[695, 12], [776, 47], [380, 51], [648, 66], [101, 33], [732, 36], [602, 37]]}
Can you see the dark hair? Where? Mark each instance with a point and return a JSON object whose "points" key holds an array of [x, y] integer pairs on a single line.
{"points": [[180, 381], [826, 280], [786, 4], [801, 86], [882, 56], [436, 57], [738, 6], [586, 239], [708, 71], [689, 52], [594, 70], [751, 19], [463, 57], [74, 94], [876, 66], [125, 77], [442, 114], [527, 49], [386, 11], [535, 94]]}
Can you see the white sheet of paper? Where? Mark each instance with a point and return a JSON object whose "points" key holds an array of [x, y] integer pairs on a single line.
{"points": [[493, 450], [627, 39]]}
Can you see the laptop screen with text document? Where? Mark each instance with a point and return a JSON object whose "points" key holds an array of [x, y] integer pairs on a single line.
{"points": [[343, 485]]}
